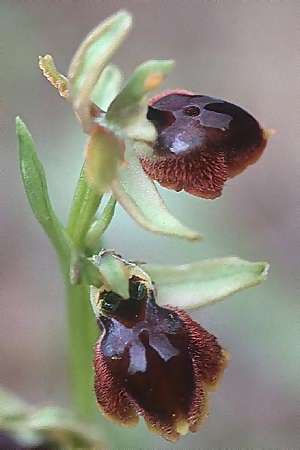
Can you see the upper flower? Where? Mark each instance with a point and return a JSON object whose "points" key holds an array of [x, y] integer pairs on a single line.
{"points": [[201, 142], [184, 141]]}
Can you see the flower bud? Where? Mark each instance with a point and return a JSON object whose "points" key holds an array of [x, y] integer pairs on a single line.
{"points": [[201, 142], [155, 362]]}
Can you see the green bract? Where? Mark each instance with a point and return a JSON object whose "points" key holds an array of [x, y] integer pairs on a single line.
{"points": [[91, 58]]}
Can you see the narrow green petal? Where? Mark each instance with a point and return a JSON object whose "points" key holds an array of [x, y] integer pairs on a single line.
{"points": [[107, 87], [147, 77], [91, 58]]}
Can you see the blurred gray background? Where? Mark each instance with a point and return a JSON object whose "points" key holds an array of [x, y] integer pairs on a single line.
{"points": [[243, 51]]}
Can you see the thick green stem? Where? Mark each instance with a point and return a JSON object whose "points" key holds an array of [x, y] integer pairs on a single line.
{"points": [[82, 338], [82, 325]]}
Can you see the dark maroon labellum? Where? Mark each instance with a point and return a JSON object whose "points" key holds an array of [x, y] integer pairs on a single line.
{"points": [[154, 361], [202, 141]]}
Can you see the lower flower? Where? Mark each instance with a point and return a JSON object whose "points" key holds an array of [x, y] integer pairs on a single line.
{"points": [[155, 362]]}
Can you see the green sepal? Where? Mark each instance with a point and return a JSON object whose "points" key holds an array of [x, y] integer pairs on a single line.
{"points": [[138, 195], [91, 58], [201, 283], [115, 272]]}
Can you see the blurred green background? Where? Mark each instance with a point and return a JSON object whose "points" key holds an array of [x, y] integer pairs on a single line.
{"points": [[246, 52]]}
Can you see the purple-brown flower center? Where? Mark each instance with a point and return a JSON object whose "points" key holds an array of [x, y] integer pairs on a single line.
{"points": [[201, 142]]}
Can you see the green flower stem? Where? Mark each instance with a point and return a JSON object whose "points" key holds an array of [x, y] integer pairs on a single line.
{"points": [[82, 326]]}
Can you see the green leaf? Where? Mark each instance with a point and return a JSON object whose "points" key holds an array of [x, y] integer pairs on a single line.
{"points": [[91, 58], [104, 154], [200, 283], [138, 195], [148, 76], [114, 271], [63, 428], [49, 426], [35, 184], [107, 87], [97, 228]]}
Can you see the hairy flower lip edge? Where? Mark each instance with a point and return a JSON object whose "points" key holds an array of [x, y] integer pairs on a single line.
{"points": [[199, 403], [208, 387], [133, 420]]}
